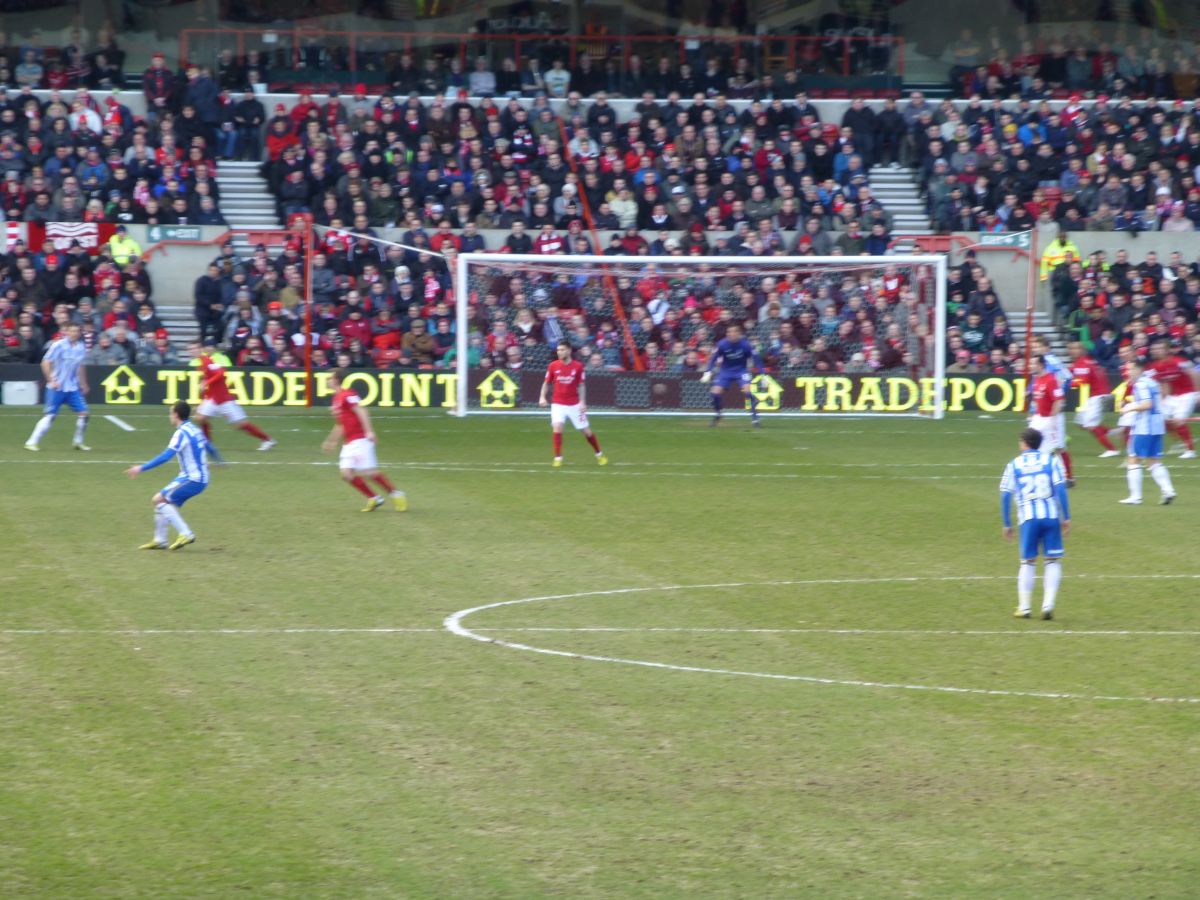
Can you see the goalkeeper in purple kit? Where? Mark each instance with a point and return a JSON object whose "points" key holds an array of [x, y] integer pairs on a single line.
{"points": [[738, 359]]}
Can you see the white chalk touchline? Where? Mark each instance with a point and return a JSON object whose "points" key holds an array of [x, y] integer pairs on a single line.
{"points": [[588, 468], [454, 624], [917, 632], [120, 423]]}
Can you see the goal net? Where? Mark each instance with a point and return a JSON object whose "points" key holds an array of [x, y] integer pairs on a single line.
{"points": [[861, 335]]}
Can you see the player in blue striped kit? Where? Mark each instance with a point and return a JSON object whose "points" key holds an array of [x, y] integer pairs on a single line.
{"points": [[66, 382], [736, 356], [1146, 436], [189, 444], [1038, 483]]}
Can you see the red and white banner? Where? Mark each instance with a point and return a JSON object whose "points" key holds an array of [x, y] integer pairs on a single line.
{"points": [[13, 232], [91, 235]]}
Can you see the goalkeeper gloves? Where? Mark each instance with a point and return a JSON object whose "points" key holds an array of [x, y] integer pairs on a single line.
{"points": [[706, 377]]}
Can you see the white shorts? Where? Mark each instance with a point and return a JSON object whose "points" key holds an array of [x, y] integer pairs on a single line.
{"points": [[1051, 428], [229, 410], [560, 413], [1091, 414], [358, 455], [1180, 406]]}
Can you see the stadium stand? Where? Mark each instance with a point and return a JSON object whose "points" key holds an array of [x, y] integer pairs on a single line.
{"points": [[455, 157]]}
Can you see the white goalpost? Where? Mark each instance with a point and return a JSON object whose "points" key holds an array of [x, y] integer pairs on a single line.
{"points": [[891, 359]]}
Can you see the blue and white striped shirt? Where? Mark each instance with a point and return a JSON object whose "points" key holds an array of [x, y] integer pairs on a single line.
{"points": [[1038, 482], [65, 359], [1148, 421], [189, 444], [1057, 368]]}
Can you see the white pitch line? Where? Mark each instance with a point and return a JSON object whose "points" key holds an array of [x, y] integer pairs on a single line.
{"points": [[454, 624], [1032, 632], [143, 632], [585, 470], [120, 423]]}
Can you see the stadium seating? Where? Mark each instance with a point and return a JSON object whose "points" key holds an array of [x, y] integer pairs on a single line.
{"points": [[459, 170]]}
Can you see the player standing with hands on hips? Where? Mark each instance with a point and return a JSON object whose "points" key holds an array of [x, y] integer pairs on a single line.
{"points": [[352, 426], [568, 402], [66, 382], [736, 355], [1038, 483]]}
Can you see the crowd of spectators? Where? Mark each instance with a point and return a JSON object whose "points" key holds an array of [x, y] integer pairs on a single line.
{"points": [[1105, 302], [109, 294], [1115, 164], [97, 64], [1037, 66]]}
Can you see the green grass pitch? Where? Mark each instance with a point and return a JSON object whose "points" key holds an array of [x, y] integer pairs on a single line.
{"points": [[279, 711]]}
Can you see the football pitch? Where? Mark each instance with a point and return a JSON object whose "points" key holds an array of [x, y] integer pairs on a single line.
{"points": [[732, 663]]}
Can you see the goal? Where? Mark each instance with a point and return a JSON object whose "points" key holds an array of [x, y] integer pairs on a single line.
{"points": [[837, 334]]}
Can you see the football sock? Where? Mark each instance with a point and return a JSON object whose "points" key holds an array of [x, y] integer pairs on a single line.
{"points": [[1185, 435], [591, 439], [716, 403], [384, 482], [1101, 434], [558, 443], [1066, 459], [753, 404], [40, 429], [160, 524], [81, 424], [1051, 576], [253, 430], [171, 514], [1162, 478], [1025, 586], [1133, 475], [361, 486]]}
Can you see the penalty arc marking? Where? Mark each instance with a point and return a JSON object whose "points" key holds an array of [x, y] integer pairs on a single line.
{"points": [[454, 624]]}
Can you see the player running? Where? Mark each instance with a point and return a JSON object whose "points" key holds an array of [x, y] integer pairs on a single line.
{"points": [[66, 382], [1179, 382], [1086, 372], [190, 445], [1048, 419], [1149, 426], [216, 398], [738, 358], [568, 402], [1060, 370], [352, 426], [1037, 481]]}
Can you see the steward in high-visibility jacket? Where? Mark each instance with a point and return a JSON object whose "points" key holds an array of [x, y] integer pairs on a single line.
{"points": [[1061, 250], [123, 248]]}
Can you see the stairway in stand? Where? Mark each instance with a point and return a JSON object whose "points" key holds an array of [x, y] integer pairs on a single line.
{"points": [[246, 202], [896, 189], [1043, 326], [247, 206]]}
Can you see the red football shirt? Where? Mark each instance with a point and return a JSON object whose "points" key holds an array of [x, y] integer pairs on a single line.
{"points": [[1046, 392], [1175, 374], [213, 386], [566, 378], [1086, 370], [345, 402]]}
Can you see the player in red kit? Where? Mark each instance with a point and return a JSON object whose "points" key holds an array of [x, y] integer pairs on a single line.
{"points": [[216, 399], [352, 426], [569, 402], [1178, 380], [1086, 372], [1048, 399]]}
